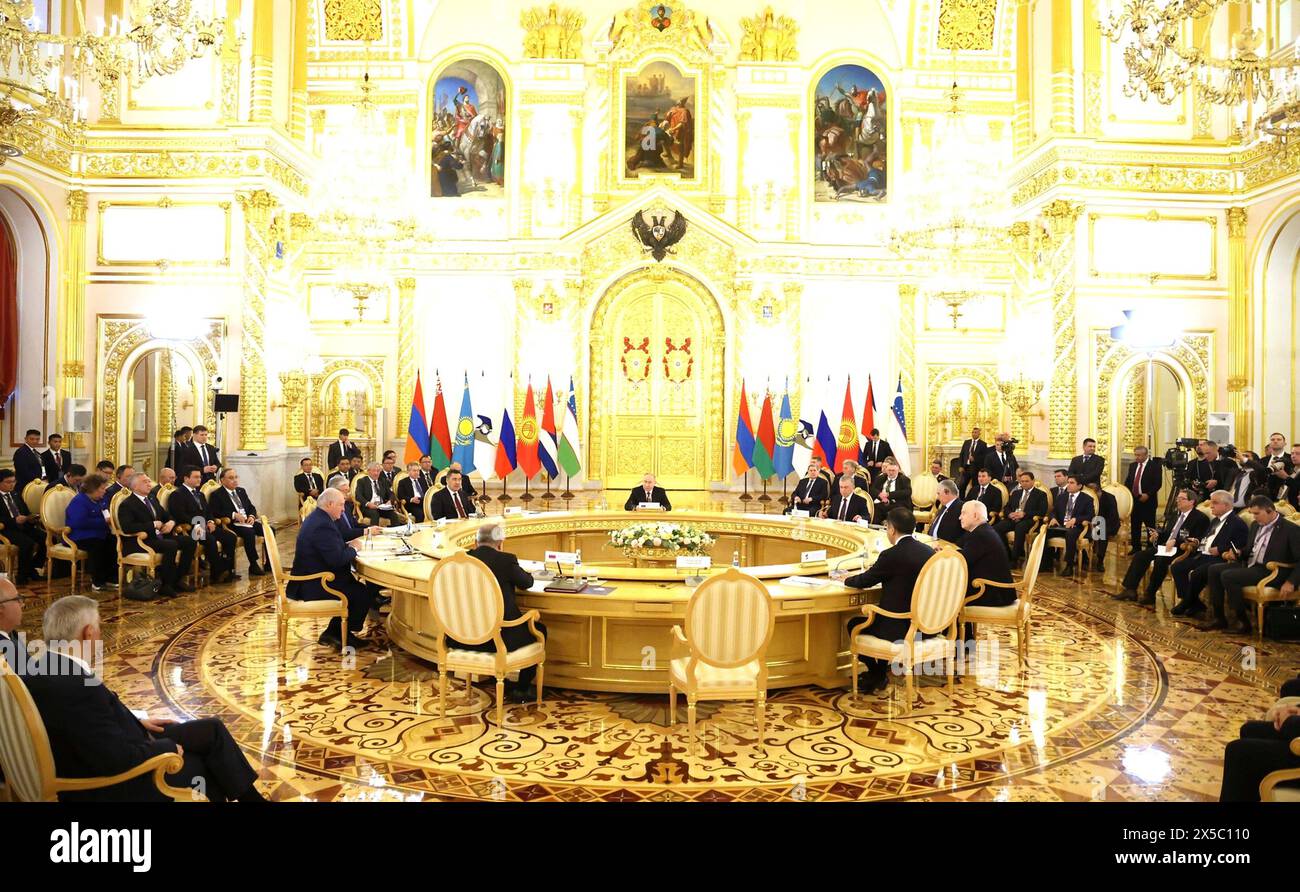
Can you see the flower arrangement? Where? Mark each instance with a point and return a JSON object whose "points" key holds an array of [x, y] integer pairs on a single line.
{"points": [[665, 538]]}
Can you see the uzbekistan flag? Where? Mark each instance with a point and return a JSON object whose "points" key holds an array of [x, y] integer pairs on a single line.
{"points": [[417, 429], [570, 448]]}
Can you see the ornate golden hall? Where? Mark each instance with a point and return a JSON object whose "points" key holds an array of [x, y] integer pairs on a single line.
{"points": [[575, 250]]}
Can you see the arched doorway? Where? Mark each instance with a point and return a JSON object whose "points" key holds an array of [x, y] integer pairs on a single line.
{"points": [[657, 382], [1276, 324], [162, 388]]}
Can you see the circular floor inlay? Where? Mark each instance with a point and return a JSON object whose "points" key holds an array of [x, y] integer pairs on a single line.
{"points": [[377, 722]]}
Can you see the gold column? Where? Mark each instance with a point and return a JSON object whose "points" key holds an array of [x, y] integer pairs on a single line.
{"points": [[1020, 124], [263, 52], [293, 387], [230, 63], [1092, 72], [298, 89], [258, 207], [110, 98], [1063, 399], [1240, 324], [906, 358], [406, 364], [72, 319], [1062, 67]]}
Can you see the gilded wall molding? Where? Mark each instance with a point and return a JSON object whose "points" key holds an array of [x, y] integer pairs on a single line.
{"points": [[371, 368], [939, 378], [1062, 217]]}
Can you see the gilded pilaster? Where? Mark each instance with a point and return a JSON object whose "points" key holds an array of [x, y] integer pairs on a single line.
{"points": [[263, 73], [230, 63], [293, 387], [406, 364], [1063, 399], [907, 354], [1062, 67], [259, 208], [1240, 324], [298, 85], [1020, 123], [72, 319]]}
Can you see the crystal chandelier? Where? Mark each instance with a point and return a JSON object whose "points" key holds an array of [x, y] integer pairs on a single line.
{"points": [[1260, 85]]}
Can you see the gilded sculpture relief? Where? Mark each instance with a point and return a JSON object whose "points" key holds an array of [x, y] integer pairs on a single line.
{"points": [[768, 38], [552, 33]]}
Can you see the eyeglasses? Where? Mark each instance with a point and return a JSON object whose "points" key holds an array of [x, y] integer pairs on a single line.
{"points": [[19, 598]]}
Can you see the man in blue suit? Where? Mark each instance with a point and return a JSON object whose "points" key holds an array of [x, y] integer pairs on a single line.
{"points": [[321, 548]]}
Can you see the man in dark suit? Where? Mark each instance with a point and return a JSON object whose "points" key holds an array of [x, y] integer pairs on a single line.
{"points": [[1060, 479], [307, 483], [1271, 538], [343, 448], [343, 471], [1262, 748], [190, 506], [388, 473], [489, 548], [451, 502], [810, 492], [176, 452], [410, 493], [230, 502], [428, 478], [874, 452], [1186, 523], [370, 492], [1088, 465], [13, 644], [466, 485], [1144, 478], [1211, 471], [1106, 525], [1069, 515], [947, 517], [983, 490], [321, 548], [891, 489], [1283, 479], [1001, 464], [859, 475], [57, 460], [971, 458], [28, 465], [647, 492], [141, 513], [1227, 532], [986, 557], [1025, 505], [120, 478], [92, 734], [936, 471], [348, 528], [166, 478], [201, 454], [896, 570], [1276, 453], [846, 504], [19, 526]]}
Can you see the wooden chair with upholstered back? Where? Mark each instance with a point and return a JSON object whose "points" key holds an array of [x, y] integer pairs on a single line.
{"points": [[1269, 789], [58, 542], [33, 494], [287, 608], [722, 655], [1001, 487], [936, 601], [925, 489], [1015, 614], [468, 607], [28, 761], [147, 558]]}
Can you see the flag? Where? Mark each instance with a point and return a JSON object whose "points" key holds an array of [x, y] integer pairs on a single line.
{"points": [[570, 448], [439, 436], [765, 442], [742, 456], [417, 429], [783, 457], [463, 450], [824, 448], [529, 463], [505, 461], [548, 445], [847, 446], [898, 431], [868, 419]]}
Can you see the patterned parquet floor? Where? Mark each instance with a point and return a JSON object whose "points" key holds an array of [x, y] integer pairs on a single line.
{"points": [[1119, 703]]}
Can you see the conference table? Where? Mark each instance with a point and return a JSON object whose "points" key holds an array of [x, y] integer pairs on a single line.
{"points": [[615, 636]]}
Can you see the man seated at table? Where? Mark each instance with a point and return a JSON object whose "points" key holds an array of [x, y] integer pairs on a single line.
{"points": [[890, 490], [307, 483], [646, 493], [810, 492], [489, 547], [451, 502], [349, 529], [895, 570], [947, 517], [986, 557], [428, 477], [320, 548], [1187, 523], [93, 734], [410, 492], [370, 494], [466, 485], [1070, 513], [852, 470], [1025, 505], [846, 504]]}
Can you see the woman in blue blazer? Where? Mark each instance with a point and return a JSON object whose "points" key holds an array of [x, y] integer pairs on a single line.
{"points": [[88, 518]]}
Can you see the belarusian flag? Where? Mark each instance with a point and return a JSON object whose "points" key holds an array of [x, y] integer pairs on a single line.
{"points": [[765, 442], [440, 435]]}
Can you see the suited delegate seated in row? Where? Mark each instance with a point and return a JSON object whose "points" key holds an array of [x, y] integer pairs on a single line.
{"points": [[307, 483], [1271, 539], [947, 517], [890, 490], [371, 492], [647, 493], [1263, 747], [986, 557], [230, 502], [140, 512], [410, 492], [466, 485], [1227, 533], [190, 506], [810, 493], [321, 548], [855, 472], [983, 490], [1162, 547], [93, 734], [452, 502], [1072, 510], [1025, 504], [846, 504], [489, 547], [22, 528]]}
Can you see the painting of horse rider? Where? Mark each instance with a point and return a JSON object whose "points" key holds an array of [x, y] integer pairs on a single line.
{"points": [[467, 155], [849, 136]]}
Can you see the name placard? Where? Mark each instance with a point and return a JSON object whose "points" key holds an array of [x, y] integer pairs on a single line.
{"points": [[513, 511], [800, 513], [561, 557], [813, 557], [649, 506], [694, 562]]}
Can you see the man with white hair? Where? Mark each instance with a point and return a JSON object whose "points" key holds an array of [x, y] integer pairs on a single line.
{"points": [[986, 557], [92, 734], [370, 495], [1227, 533], [322, 549], [490, 549], [140, 512], [348, 528], [13, 647]]}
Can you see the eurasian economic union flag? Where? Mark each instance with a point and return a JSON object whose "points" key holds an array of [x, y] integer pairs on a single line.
{"points": [[786, 428], [463, 448]]}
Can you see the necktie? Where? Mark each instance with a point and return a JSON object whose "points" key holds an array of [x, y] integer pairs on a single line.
{"points": [[455, 497], [9, 503], [844, 508], [1137, 478], [889, 487], [1209, 537], [1069, 508], [1173, 534], [58, 460], [149, 505], [1261, 543], [40, 464], [234, 500], [938, 521], [203, 453], [647, 495], [982, 488]]}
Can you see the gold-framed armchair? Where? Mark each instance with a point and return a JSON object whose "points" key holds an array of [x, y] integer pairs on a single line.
{"points": [[936, 601], [1269, 789], [468, 607], [1016, 615], [1268, 591], [287, 608], [146, 558], [34, 494], [722, 654], [8, 555], [925, 489], [28, 761], [58, 542], [196, 567], [1001, 487], [306, 508]]}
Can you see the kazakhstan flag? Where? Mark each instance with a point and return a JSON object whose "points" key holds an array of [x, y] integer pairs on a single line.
{"points": [[463, 448]]}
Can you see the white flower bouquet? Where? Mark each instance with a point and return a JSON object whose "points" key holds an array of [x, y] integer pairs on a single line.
{"points": [[661, 538]]}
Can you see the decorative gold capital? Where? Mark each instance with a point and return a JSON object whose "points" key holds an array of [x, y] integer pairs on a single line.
{"points": [[1062, 215], [1237, 383], [907, 291], [77, 206], [768, 38], [552, 32], [1236, 222], [405, 286]]}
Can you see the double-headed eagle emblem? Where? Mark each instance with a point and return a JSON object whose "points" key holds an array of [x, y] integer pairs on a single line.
{"points": [[658, 231]]}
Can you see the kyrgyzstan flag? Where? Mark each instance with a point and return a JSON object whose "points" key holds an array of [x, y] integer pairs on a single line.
{"points": [[765, 442], [847, 445], [529, 462], [440, 434]]}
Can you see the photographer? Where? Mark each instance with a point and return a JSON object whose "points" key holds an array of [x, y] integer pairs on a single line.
{"points": [[1000, 461], [1284, 480]]}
